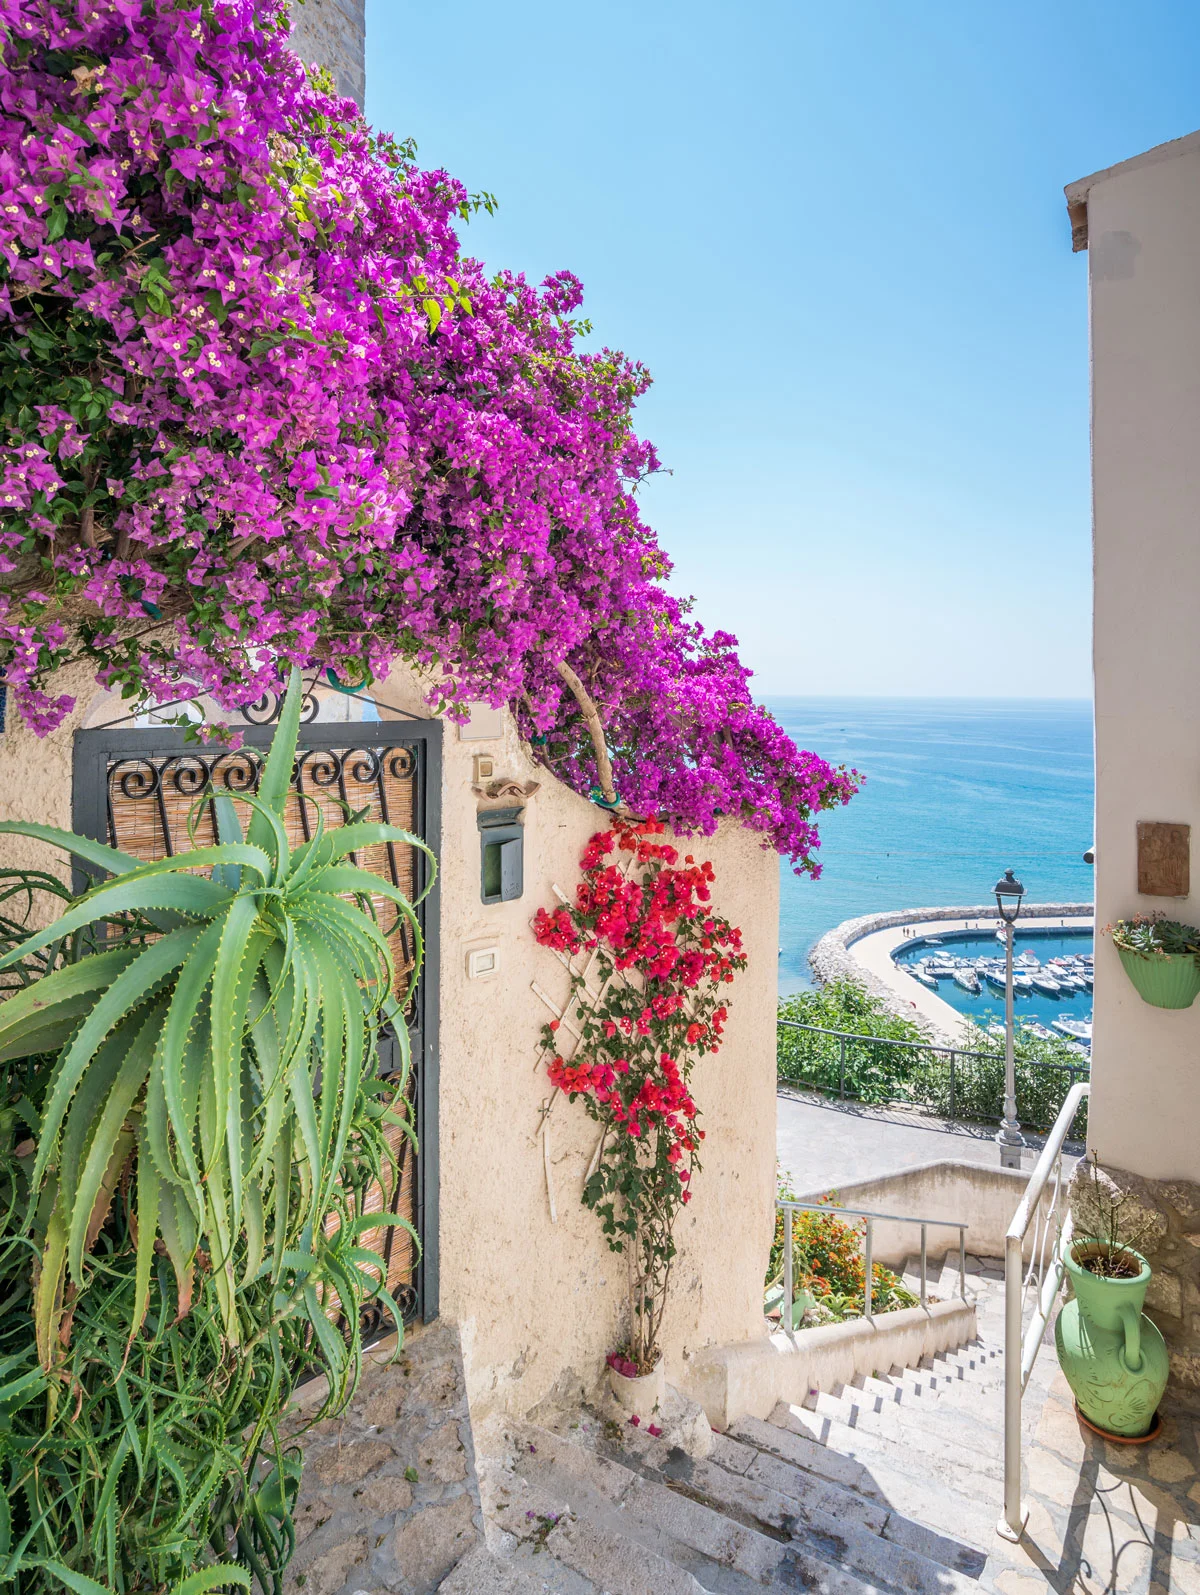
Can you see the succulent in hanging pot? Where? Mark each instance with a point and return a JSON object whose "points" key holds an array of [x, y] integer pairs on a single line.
{"points": [[1161, 957]]}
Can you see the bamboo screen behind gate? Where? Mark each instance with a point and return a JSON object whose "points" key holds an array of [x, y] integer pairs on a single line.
{"points": [[153, 803]]}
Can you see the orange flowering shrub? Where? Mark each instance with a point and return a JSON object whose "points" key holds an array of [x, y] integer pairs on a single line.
{"points": [[828, 1263]]}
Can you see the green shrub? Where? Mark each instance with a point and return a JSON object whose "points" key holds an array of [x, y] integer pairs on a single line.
{"points": [[873, 1069]]}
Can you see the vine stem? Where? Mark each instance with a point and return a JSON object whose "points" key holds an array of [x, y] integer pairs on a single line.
{"points": [[595, 727]]}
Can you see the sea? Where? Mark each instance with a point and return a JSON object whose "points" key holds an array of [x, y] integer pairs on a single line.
{"points": [[956, 791]]}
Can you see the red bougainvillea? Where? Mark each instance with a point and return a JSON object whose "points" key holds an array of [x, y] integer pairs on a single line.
{"points": [[661, 958]]}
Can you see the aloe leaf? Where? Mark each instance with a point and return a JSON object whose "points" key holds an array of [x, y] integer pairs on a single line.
{"points": [[191, 984], [180, 1236], [278, 835], [36, 1003], [148, 1191], [188, 893], [88, 1203], [105, 858], [254, 1224], [49, 1274], [78, 1582], [83, 1115], [276, 777], [229, 829], [212, 1578], [230, 1000], [178, 864], [369, 833], [152, 965]]}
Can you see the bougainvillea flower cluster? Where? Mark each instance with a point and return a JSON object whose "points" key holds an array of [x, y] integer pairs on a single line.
{"points": [[643, 926], [258, 408]]}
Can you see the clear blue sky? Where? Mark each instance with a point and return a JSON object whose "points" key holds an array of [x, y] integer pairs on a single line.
{"points": [[836, 235]]}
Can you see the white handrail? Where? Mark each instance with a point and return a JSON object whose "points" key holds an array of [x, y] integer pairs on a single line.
{"points": [[1052, 1235]]}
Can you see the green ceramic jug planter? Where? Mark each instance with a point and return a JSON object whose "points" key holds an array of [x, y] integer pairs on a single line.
{"points": [[1114, 1358], [1165, 980]]}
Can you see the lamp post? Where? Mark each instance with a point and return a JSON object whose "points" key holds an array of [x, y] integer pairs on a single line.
{"points": [[1009, 893]]}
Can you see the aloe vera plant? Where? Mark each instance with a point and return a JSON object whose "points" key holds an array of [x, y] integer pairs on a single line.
{"points": [[206, 1121]]}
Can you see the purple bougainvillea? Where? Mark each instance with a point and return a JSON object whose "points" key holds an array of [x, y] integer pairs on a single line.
{"points": [[258, 408]]}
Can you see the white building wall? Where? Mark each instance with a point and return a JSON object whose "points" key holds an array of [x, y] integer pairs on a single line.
{"points": [[1143, 239]]}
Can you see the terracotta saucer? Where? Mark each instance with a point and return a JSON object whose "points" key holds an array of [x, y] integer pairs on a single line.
{"points": [[1152, 1433]]}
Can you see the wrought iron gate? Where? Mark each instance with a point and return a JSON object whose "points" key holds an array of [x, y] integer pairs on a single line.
{"points": [[138, 789]]}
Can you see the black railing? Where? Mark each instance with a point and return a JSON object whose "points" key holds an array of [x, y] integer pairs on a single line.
{"points": [[955, 1082]]}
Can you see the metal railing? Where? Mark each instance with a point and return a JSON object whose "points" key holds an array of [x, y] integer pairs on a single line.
{"points": [[1050, 1222], [790, 1208], [959, 1082]]}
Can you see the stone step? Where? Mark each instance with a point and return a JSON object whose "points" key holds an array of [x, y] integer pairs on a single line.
{"points": [[959, 1507], [723, 1554], [981, 1434], [842, 1504], [873, 1542], [484, 1573], [893, 1443], [985, 1403], [593, 1552]]}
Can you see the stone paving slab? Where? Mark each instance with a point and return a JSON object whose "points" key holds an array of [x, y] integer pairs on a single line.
{"points": [[1104, 1519]]}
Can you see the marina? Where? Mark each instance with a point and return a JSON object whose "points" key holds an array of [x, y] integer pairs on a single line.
{"points": [[1052, 976]]}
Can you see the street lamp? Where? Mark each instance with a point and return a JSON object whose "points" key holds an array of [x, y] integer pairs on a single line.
{"points": [[1009, 893]]}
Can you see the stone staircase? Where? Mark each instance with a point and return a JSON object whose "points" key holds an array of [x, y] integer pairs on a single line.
{"points": [[891, 1486]]}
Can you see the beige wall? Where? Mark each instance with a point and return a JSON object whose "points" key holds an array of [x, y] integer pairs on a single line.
{"points": [[538, 1302], [1143, 233]]}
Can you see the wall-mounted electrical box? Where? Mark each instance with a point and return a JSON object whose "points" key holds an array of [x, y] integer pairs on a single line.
{"points": [[502, 855]]}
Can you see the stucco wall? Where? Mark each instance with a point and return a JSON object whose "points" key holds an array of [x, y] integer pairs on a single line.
{"points": [[35, 775], [332, 33], [1143, 230], [538, 1302]]}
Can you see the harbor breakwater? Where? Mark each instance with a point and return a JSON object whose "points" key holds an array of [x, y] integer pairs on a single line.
{"points": [[832, 958]]}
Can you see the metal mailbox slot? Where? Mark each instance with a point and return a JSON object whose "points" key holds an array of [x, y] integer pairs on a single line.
{"points": [[502, 855]]}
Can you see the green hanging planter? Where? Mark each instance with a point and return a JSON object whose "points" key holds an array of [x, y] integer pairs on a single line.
{"points": [[1165, 980], [1114, 1358]]}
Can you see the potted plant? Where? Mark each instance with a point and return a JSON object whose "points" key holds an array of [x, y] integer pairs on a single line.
{"points": [[1161, 957], [636, 1392], [1113, 1356]]}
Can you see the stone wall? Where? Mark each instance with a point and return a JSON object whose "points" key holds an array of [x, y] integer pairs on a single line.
{"points": [[389, 1500], [831, 958], [1161, 1219], [333, 33]]}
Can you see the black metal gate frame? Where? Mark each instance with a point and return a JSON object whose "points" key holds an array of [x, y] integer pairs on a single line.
{"points": [[97, 749]]}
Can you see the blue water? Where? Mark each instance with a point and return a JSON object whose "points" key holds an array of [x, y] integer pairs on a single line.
{"points": [[989, 1004], [957, 791]]}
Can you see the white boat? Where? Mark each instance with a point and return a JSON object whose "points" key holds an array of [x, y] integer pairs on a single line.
{"points": [[1034, 1029], [918, 973], [1073, 1029], [995, 978], [1046, 983], [968, 980], [1022, 983]]}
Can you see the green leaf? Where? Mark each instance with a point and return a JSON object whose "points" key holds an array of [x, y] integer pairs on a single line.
{"points": [[152, 965], [189, 893], [107, 859], [276, 775]]}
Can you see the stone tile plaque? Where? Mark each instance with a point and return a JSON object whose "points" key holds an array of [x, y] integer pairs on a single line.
{"points": [[1163, 859]]}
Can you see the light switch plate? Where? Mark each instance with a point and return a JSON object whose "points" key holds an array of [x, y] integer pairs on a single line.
{"points": [[482, 962]]}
